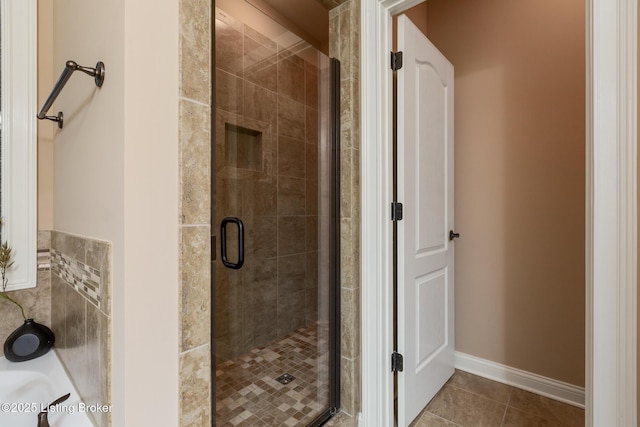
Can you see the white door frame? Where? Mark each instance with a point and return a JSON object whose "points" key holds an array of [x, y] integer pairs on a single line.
{"points": [[611, 212]]}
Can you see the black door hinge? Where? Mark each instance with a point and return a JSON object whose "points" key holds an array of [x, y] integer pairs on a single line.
{"points": [[396, 61], [396, 211], [397, 362]]}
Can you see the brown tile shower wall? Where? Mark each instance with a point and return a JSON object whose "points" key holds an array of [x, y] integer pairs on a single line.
{"points": [[81, 315], [272, 186], [36, 301], [195, 210], [344, 44]]}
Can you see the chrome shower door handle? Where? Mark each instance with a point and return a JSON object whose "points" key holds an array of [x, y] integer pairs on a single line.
{"points": [[223, 243]]}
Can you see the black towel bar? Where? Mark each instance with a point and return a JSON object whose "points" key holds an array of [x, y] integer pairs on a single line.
{"points": [[70, 67]]}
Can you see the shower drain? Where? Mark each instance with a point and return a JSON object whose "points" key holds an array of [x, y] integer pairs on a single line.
{"points": [[285, 379]]}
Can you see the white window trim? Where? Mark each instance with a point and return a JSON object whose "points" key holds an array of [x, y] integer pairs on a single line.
{"points": [[18, 35]]}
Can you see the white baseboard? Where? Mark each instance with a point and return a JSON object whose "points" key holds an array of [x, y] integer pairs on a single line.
{"points": [[534, 383]]}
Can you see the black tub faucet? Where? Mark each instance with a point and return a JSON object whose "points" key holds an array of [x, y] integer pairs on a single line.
{"points": [[43, 420]]}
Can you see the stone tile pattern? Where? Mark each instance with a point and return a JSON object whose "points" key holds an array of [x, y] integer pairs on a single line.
{"points": [[194, 163], [468, 400], [81, 326], [36, 301], [271, 184], [83, 278], [344, 44], [249, 395], [44, 259]]}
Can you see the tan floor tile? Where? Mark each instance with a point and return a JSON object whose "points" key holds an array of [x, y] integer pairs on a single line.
{"points": [[559, 413], [465, 408], [429, 420], [517, 418], [486, 388]]}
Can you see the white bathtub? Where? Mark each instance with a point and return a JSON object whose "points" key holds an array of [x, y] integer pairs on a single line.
{"points": [[26, 388]]}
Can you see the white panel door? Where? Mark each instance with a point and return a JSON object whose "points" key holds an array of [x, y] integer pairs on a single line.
{"points": [[425, 254]]}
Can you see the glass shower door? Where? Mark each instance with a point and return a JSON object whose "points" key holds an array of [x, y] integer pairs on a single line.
{"points": [[275, 275]]}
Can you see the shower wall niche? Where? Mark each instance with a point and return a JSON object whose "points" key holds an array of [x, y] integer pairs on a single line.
{"points": [[267, 173]]}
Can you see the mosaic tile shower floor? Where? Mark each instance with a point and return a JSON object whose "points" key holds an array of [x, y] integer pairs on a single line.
{"points": [[248, 394]]}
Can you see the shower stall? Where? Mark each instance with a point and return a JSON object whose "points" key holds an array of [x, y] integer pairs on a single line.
{"points": [[275, 216]]}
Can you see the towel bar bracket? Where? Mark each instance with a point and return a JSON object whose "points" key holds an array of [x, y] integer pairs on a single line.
{"points": [[58, 119], [70, 66], [97, 72]]}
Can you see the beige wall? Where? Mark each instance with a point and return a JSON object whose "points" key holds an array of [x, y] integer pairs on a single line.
{"points": [[520, 132], [417, 15], [116, 179], [149, 291]]}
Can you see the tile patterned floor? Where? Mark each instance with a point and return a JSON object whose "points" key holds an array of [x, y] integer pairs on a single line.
{"points": [[247, 393], [471, 401]]}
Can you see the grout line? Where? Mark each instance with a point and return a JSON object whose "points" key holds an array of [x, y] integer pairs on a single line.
{"points": [[506, 408], [182, 98], [181, 353], [504, 416], [426, 411], [479, 395], [194, 225], [350, 359]]}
